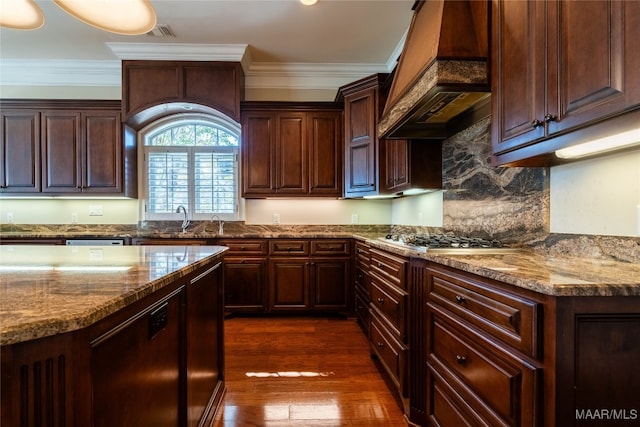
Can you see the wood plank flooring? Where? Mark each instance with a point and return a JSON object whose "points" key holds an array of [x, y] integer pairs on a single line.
{"points": [[303, 371]]}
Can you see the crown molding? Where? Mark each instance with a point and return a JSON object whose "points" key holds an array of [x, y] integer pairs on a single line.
{"points": [[260, 75]]}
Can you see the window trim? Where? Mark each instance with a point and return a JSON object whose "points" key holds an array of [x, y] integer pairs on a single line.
{"points": [[218, 120]]}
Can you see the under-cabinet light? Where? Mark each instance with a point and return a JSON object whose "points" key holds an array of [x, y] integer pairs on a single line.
{"points": [[416, 191], [21, 15], [601, 145], [308, 2]]}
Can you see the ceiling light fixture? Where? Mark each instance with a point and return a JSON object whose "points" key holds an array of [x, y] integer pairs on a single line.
{"points": [[601, 145], [21, 15], [128, 17], [308, 2]]}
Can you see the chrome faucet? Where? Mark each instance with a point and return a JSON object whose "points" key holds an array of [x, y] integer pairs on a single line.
{"points": [[220, 224], [185, 222]]}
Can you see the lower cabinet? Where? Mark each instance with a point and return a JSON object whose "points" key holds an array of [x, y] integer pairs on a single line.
{"points": [[388, 308], [309, 275], [135, 367], [205, 346], [245, 275], [498, 355]]}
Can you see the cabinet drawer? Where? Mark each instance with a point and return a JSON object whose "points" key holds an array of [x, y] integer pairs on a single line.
{"points": [[511, 318], [289, 247], [391, 268], [362, 280], [363, 255], [245, 247], [391, 353], [391, 303], [330, 247], [484, 372]]}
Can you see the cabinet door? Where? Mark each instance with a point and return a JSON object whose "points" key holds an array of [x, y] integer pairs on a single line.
{"points": [[518, 82], [330, 279], [361, 144], [61, 152], [325, 151], [258, 154], [205, 319], [135, 368], [291, 154], [245, 284], [289, 284], [397, 163], [102, 172], [20, 152], [598, 61]]}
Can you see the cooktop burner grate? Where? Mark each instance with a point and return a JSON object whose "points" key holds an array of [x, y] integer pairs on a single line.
{"points": [[445, 241]]}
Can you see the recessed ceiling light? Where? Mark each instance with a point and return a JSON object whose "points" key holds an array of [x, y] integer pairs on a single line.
{"points": [[22, 15], [308, 2]]}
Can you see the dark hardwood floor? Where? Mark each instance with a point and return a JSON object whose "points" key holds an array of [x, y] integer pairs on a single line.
{"points": [[303, 371]]}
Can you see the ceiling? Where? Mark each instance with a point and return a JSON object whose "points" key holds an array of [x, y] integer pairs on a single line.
{"points": [[279, 42]]}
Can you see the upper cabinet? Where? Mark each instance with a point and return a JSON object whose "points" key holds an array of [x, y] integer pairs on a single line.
{"points": [[150, 88], [291, 150], [20, 151], [375, 166], [65, 147], [363, 104], [560, 67], [410, 164]]}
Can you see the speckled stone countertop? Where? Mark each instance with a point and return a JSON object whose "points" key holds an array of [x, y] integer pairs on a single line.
{"points": [[47, 290], [537, 271]]}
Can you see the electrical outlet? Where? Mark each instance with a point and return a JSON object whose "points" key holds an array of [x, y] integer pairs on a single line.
{"points": [[10, 217], [74, 218], [276, 218], [95, 210], [354, 218]]}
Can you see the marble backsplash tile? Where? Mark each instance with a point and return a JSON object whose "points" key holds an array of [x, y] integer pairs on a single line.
{"points": [[496, 202]]}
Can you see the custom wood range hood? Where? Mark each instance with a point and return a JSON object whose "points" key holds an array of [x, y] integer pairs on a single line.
{"points": [[441, 84]]}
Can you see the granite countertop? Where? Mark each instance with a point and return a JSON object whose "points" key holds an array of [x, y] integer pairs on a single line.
{"points": [[539, 271], [47, 290]]}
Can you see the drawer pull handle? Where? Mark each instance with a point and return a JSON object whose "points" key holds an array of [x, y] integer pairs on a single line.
{"points": [[461, 360], [380, 344], [460, 299], [380, 301]]}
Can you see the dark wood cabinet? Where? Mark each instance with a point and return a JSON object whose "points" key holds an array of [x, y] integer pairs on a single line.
{"points": [[560, 66], [20, 151], [482, 351], [410, 164], [389, 311], [81, 152], [290, 152], [66, 147], [149, 84], [362, 284], [245, 275], [309, 275], [205, 346], [135, 367], [363, 104]]}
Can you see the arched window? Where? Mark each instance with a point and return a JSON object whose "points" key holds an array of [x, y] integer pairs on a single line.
{"points": [[191, 160]]}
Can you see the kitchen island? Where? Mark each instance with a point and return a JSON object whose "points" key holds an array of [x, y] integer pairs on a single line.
{"points": [[104, 336]]}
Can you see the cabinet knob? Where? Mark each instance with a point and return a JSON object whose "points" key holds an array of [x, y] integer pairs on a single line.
{"points": [[380, 301], [537, 123], [380, 344], [549, 118], [461, 360], [381, 266], [460, 299]]}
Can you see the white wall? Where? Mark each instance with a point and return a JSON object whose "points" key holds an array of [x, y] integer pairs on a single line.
{"points": [[599, 196]]}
